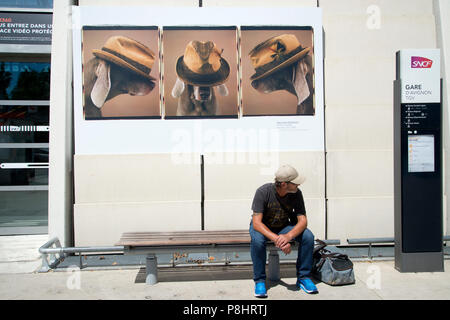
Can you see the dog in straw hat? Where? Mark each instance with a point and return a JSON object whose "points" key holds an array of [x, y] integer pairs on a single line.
{"points": [[200, 70], [121, 66], [282, 63]]}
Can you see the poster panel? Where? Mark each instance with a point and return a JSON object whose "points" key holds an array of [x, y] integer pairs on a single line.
{"points": [[245, 119], [200, 72], [277, 70], [120, 73]]}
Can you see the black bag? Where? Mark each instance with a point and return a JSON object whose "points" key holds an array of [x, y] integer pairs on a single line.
{"points": [[332, 268]]}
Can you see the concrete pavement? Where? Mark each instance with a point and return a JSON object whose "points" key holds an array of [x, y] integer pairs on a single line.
{"points": [[19, 261], [374, 281]]}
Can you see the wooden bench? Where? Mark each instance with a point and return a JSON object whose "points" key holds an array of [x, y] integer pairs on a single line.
{"points": [[152, 243]]}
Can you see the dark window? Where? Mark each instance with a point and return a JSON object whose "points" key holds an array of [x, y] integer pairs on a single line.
{"points": [[45, 4], [24, 124], [24, 81]]}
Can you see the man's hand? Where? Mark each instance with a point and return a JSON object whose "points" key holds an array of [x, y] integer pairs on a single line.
{"points": [[286, 249], [282, 241]]}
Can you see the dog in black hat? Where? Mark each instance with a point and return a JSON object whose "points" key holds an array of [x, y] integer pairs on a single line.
{"points": [[281, 63], [199, 71]]}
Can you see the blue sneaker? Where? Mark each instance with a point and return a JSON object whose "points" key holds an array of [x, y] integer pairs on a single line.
{"points": [[307, 285], [260, 290]]}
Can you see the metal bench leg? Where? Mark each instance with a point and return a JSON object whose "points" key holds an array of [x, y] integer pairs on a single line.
{"points": [[151, 269], [274, 266]]}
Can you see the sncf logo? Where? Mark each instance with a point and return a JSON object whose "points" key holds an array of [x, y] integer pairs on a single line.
{"points": [[420, 62]]}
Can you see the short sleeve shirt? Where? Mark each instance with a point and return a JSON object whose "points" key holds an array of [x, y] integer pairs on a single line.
{"points": [[278, 215]]}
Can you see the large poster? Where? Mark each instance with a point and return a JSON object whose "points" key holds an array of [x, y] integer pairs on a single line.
{"points": [[120, 73], [277, 70], [144, 77], [200, 72]]}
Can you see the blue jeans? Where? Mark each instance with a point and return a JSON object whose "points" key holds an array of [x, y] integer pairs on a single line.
{"points": [[258, 253]]}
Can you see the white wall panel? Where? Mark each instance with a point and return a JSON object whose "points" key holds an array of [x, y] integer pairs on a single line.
{"points": [[103, 224], [360, 218], [360, 173], [354, 36], [315, 209], [231, 214], [240, 180], [359, 81], [353, 127], [135, 178]]}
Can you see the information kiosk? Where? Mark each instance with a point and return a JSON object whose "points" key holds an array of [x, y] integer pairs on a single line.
{"points": [[418, 162]]}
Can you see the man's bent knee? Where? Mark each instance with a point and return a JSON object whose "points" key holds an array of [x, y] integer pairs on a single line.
{"points": [[308, 236], [258, 240]]}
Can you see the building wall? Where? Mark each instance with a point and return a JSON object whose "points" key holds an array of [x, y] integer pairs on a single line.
{"points": [[442, 14], [349, 191], [60, 185], [361, 38]]}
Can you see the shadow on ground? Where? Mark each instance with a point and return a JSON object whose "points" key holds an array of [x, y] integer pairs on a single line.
{"points": [[215, 273]]}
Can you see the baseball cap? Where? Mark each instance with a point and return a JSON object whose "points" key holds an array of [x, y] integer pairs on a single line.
{"points": [[287, 173]]}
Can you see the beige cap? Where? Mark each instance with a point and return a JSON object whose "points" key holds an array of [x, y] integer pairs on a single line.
{"points": [[287, 173]]}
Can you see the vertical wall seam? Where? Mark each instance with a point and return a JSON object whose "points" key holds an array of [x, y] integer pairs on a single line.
{"points": [[202, 186], [324, 130]]}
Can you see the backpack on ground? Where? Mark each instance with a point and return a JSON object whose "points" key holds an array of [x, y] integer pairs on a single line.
{"points": [[332, 268]]}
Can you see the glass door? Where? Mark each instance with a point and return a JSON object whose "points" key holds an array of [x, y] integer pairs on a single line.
{"points": [[24, 136]]}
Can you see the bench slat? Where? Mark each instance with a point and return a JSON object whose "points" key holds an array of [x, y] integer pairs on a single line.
{"points": [[184, 238], [202, 232]]}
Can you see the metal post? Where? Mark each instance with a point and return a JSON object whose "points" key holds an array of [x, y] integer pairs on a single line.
{"points": [[151, 269], [274, 266]]}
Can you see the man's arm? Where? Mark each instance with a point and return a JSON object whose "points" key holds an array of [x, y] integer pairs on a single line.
{"points": [[259, 226], [283, 239]]}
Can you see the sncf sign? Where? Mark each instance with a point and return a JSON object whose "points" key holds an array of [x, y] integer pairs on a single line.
{"points": [[421, 62]]}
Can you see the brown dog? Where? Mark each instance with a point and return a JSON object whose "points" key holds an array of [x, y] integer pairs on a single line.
{"points": [[200, 71], [121, 66], [288, 79], [282, 63], [104, 81], [196, 100]]}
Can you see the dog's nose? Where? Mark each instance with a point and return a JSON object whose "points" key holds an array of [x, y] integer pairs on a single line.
{"points": [[204, 93], [255, 84]]}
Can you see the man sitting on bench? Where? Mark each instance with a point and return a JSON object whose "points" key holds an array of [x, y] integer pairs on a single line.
{"points": [[279, 215]]}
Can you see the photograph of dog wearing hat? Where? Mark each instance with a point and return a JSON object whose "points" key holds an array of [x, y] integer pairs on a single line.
{"points": [[120, 73], [277, 71], [200, 72]]}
